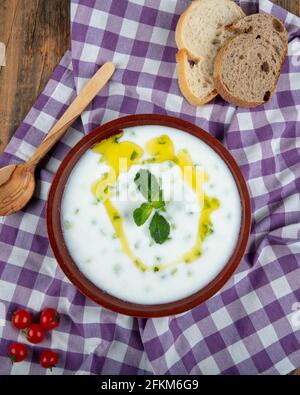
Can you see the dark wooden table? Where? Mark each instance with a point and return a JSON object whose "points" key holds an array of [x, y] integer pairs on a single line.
{"points": [[36, 34]]}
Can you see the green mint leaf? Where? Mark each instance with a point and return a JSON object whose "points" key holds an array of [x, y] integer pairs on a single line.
{"points": [[158, 204], [148, 185], [159, 228], [141, 214]]}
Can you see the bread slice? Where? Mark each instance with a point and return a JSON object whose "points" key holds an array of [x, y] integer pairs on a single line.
{"points": [[265, 25], [200, 33], [248, 66], [195, 81]]}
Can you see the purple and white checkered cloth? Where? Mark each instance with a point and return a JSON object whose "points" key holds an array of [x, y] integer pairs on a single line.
{"points": [[252, 325]]}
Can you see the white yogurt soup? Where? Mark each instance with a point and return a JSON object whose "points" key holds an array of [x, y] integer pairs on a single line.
{"points": [[151, 245]]}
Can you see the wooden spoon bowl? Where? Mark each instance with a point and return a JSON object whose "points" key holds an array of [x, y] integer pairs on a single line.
{"points": [[16, 187]]}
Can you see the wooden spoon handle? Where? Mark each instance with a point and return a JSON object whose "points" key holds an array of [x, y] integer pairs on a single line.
{"points": [[87, 94]]}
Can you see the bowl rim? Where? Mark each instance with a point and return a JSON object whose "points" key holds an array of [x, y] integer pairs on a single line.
{"points": [[55, 234]]}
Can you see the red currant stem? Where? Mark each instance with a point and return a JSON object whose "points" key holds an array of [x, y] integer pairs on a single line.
{"points": [[12, 359]]}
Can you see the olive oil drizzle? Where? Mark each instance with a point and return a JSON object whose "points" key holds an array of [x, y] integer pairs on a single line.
{"points": [[120, 156]]}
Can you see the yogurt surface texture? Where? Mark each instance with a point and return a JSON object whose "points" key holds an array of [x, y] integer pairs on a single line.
{"points": [[202, 208]]}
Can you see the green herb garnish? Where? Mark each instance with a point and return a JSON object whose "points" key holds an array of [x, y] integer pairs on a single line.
{"points": [[198, 253], [117, 137], [160, 203], [208, 229], [134, 155], [141, 214], [67, 224], [162, 140], [117, 268], [149, 187], [159, 228]]}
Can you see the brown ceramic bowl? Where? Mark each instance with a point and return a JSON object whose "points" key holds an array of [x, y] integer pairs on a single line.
{"points": [[69, 267]]}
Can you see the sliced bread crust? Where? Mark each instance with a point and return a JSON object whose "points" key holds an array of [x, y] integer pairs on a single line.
{"points": [[220, 85], [200, 32], [265, 25], [183, 70], [189, 25], [261, 47]]}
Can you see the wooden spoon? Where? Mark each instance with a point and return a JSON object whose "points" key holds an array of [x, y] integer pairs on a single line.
{"points": [[17, 182]]}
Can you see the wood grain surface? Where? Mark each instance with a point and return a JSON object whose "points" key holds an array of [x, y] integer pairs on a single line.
{"points": [[36, 34]]}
